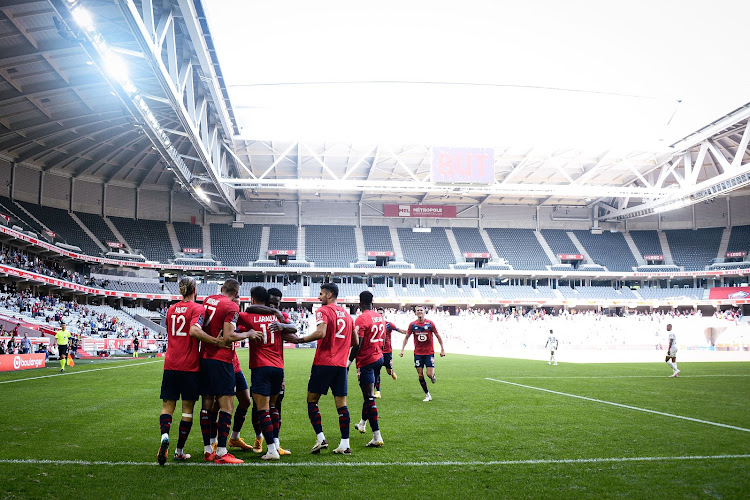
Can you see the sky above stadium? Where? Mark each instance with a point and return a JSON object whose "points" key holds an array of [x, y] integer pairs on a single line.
{"points": [[586, 74]]}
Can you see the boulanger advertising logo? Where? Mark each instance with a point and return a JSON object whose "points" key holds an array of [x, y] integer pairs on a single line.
{"points": [[738, 295], [19, 362]]}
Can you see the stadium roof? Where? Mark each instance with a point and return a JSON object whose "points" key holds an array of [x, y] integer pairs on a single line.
{"points": [[339, 101]]}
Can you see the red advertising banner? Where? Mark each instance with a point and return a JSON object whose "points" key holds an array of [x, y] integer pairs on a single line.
{"points": [[93, 345], [51, 234], [467, 165], [381, 253], [192, 250], [282, 252], [14, 362], [115, 244], [7, 219], [729, 292], [476, 255], [441, 211], [570, 256], [736, 254], [653, 257]]}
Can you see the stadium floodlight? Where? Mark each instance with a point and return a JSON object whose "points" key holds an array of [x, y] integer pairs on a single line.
{"points": [[200, 192], [83, 18], [117, 68]]}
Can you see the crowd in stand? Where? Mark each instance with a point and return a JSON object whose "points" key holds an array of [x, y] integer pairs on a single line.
{"points": [[79, 318], [28, 262]]}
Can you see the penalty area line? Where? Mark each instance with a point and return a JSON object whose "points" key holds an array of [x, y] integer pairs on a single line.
{"points": [[79, 372], [620, 405], [563, 461]]}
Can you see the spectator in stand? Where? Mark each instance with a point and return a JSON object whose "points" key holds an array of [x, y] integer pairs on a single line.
{"points": [[25, 345], [11, 348], [2, 347]]}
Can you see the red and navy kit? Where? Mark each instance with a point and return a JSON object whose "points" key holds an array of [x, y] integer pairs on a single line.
{"points": [[370, 327], [269, 350], [183, 352], [389, 327], [219, 310], [422, 332], [333, 349]]}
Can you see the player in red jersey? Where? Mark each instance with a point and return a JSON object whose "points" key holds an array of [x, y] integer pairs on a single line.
{"points": [[387, 351], [217, 370], [334, 336], [181, 366], [267, 368], [287, 326], [370, 328], [424, 349]]}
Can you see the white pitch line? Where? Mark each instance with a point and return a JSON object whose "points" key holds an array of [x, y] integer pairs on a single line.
{"points": [[79, 372], [645, 410], [552, 377], [386, 464]]}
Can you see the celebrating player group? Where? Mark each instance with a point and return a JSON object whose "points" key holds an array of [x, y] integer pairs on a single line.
{"points": [[201, 361]]}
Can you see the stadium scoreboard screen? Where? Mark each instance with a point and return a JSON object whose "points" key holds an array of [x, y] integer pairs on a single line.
{"points": [[463, 165]]}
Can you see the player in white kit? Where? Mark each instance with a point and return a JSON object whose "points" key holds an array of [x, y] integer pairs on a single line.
{"points": [[552, 343], [671, 358]]}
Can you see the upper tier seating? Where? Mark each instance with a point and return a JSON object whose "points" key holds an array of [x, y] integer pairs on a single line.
{"points": [[666, 293], [660, 268], [694, 250], [519, 247], [426, 250], [62, 223], [330, 246], [148, 236], [377, 239], [188, 235], [559, 241], [96, 224], [135, 286], [235, 246], [469, 240], [739, 239], [608, 249], [596, 292], [647, 242], [23, 221], [282, 237]]}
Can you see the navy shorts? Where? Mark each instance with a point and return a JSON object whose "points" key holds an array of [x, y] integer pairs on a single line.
{"points": [[388, 360], [216, 378], [324, 377], [368, 373], [240, 383], [267, 380], [176, 383], [424, 361]]}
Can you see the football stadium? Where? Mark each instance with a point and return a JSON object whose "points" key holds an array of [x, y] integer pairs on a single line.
{"points": [[484, 248]]}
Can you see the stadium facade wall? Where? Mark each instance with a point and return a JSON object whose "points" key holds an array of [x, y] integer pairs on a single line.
{"points": [[56, 191], [4, 178], [26, 184], [87, 196], [120, 201]]}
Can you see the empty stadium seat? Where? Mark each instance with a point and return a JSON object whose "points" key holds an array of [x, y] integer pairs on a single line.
{"points": [[62, 223], [330, 246], [188, 235], [282, 237], [608, 249], [694, 249], [148, 236], [426, 250], [519, 247], [469, 240], [647, 242], [235, 246], [96, 224], [377, 239], [559, 241]]}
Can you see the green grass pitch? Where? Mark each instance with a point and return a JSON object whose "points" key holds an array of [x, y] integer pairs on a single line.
{"points": [[95, 435]]}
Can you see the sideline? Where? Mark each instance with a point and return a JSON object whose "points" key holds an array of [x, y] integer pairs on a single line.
{"points": [[79, 372]]}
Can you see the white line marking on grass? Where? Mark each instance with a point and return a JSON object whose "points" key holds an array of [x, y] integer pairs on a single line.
{"points": [[726, 426], [384, 464], [628, 376], [79, 372]]}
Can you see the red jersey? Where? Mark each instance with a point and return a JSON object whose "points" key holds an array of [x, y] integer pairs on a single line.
{"points": [[183, 353], [370, 326], [269, 350], [219, 310], [333, 349], [423, 336], [389, 327]]}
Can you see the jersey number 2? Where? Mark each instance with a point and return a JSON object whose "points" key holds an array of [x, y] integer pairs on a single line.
{"points": [[340, 325]]}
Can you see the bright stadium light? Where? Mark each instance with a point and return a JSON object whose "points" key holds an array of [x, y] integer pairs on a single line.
{"points": [[200, 192], [83, 18]]}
